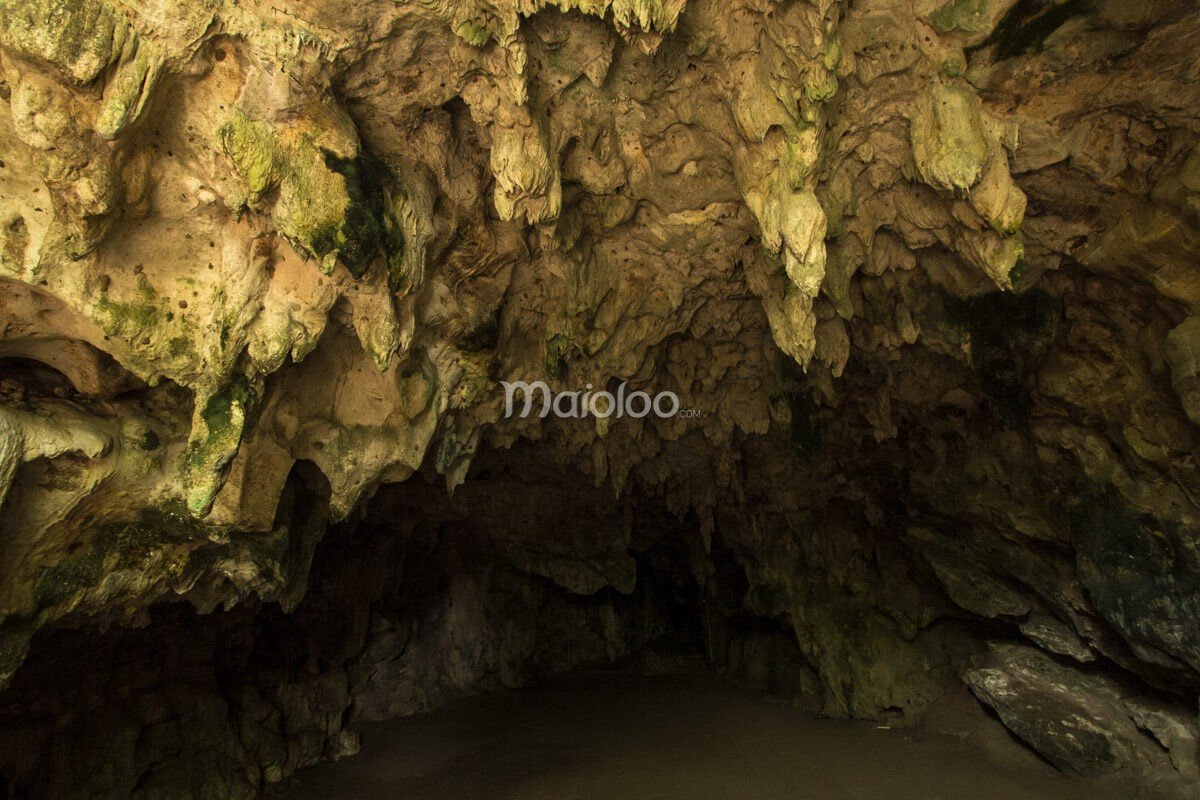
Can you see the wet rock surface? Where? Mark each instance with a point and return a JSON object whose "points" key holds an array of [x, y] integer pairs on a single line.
{"points": [[923, 276]]}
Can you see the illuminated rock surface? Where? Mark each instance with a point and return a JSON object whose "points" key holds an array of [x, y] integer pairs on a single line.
{"points": [[924, 277]]}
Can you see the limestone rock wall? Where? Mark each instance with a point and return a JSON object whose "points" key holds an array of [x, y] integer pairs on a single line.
{"points": [[925, 271]]}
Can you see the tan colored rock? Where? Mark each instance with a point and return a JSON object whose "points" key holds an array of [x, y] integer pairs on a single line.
{"points": [[923, 277]]}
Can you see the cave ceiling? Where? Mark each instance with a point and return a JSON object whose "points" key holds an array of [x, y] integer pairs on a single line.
{"points": [[924, 275]]}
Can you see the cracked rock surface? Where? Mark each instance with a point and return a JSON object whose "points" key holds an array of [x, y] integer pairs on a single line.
{"points": [[924, 275]]}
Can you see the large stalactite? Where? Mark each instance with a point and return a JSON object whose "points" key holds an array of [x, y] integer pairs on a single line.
{"points": [[922, 274]]}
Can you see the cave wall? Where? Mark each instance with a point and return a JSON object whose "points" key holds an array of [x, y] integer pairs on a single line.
{"points": [[398, 618], [924, 271]]}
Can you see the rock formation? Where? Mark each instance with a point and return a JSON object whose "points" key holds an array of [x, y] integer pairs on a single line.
{"points": [[923, 276]]}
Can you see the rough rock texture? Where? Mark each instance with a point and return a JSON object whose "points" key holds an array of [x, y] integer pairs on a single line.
{"points": [[421, 602], [1080, 722], [925, 272]]}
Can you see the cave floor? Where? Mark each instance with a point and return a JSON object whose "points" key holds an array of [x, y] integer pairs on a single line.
{"points": [[627, 737]]}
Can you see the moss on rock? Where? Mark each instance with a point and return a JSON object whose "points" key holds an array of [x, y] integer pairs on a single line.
{"points": [[329, 205], [80, 37], [216, 435]]}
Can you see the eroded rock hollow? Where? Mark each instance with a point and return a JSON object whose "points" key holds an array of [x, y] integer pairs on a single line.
{"points": [[924, 277]]}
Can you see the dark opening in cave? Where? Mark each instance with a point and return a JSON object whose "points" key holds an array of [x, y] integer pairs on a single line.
{"points": [[527, 572], [522, 574]]}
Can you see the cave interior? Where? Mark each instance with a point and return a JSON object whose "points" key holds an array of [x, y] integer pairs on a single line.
{"points": [[920, 277]]}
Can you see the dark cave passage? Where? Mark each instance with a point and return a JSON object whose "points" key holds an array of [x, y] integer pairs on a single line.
{"points": [[525, 573], [422, 600]]}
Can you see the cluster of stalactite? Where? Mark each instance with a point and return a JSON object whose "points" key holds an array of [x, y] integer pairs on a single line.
{"points": [[923, 276]]}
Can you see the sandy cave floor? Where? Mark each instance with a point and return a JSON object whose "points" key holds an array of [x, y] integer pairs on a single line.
{"points": [[613, 735]]}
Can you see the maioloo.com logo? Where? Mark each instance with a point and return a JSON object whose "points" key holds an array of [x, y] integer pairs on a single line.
{"points": [[588, 403]]}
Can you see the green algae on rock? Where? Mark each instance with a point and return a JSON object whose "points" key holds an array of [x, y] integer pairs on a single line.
{"points": [[924, 279]]}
